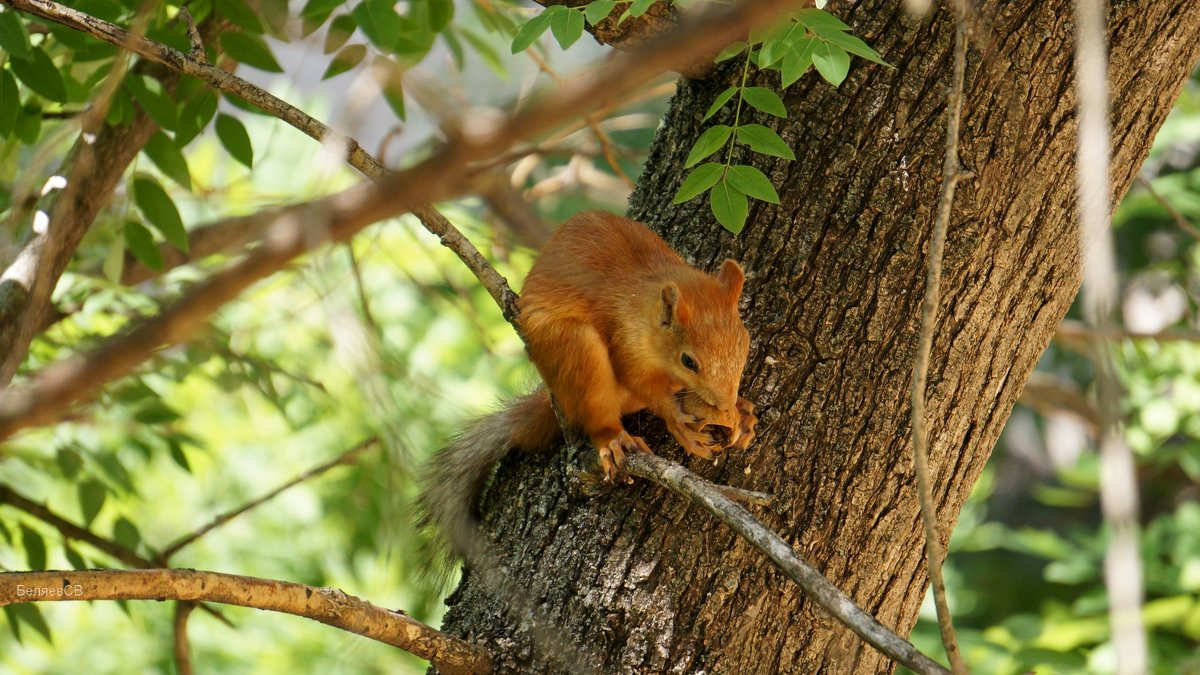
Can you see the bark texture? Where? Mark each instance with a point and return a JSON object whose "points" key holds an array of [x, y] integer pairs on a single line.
{"points": [[647, 583]]}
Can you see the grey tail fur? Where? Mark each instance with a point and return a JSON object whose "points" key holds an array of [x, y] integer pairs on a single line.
{"points": [[453, 479]]}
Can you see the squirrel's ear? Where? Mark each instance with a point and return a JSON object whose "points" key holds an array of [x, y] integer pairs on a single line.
{"points": [[674, 309], [732, 277]]}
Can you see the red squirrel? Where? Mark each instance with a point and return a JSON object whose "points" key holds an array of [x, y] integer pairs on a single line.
{"points": [[616, 322]]}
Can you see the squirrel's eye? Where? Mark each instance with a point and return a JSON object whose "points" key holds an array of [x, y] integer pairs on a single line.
{"points": [[689, 363]]}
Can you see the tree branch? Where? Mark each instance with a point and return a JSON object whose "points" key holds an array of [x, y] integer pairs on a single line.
{"points": [[326, 605], [951, 174], [300, 228], [683, 482], [348, 457]]}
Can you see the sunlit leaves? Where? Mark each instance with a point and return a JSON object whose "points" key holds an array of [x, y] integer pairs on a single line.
{"points": [[41, 75], [250, 50], [156, 205], [765, 100], [14, 39], [729, 205], [141, 243], [236, 140]]}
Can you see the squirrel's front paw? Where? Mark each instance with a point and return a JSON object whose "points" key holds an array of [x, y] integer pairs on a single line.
{"points": [[747, 421], [612, 454]]}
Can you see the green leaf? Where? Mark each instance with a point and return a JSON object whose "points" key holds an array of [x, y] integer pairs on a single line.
{"points": [[637, 8], [156, 412], [168, 158], [752, 182], [339, 32], [116, 472], [30, 614], [854, 45], [73, 557], [195, 116], [319, 10], [113, 263], [120, 110], [598, 10], [831, 61], [41, 75], [250, 50], [709, 142], [764, 140], [765, 100], [700, 179], [392, 83], [820, 21], [720, 101], [777, 45], [35, 548], [92, 494], [29, 124], [126, 533], [69, 462], [141, 243], [379, 22], [158, 208], [731, 51], [10, 104], [153, 99], [240, 15], [233, 135], [14, 39], [487, 53], [530, 31], [567, 26], [178, 455], [346, 59], [797, 60], [729, 206]]}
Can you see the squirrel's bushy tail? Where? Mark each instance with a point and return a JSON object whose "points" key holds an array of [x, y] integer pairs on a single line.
{"points": [[453, 479]]}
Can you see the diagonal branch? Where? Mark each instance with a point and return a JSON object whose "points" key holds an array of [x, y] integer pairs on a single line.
{"points": [[683, 482], [330, 606], [348, 457], [297, 229], [951, 175]]}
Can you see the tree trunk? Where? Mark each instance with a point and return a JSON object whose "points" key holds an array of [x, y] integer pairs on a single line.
{"points": [[648, 583]]}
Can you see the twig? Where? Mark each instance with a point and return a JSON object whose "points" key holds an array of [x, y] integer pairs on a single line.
{"points": [[183, 660], [330, 606], [951, 174], [301, 227], [1180, 220], [348, 457], [1118, 484], [748, 497], [70, 530], [814, 584], [197, 53]]}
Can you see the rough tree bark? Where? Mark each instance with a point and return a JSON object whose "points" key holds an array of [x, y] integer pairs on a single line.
{"points": [[650, 584]]}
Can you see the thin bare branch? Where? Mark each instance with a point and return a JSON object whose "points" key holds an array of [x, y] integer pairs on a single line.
{"points": [[951, 174], [1180, 220], [814, 584], [330, 606], [348, 457], [70, 530], [183, 658]]}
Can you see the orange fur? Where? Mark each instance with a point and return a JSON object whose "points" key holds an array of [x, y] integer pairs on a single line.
{"points": [[610, 311]]}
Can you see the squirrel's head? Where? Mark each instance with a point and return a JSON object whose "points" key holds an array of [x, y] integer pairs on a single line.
{"points": [[706, 341]]}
